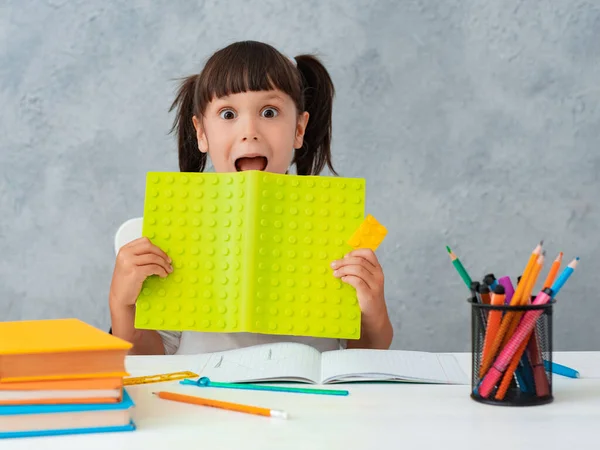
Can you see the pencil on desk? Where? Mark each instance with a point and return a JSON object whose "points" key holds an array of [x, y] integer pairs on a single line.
{"points": [[222, 405]]}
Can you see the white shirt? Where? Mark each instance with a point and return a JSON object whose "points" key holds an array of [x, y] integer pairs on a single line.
{"points": [[191, 342]]}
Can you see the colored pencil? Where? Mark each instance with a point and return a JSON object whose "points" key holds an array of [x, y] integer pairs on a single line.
{"points": [[459, 268], [222, 405], [525, 295], [553, 271]]}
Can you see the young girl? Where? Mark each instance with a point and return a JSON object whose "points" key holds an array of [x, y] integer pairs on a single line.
{"points": [[251, 108]]}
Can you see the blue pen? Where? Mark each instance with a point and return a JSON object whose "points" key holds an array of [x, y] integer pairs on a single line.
{"points": [[559, 369]]}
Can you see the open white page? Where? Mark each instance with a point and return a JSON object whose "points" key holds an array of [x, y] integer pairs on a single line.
{"points": [[392, 365], [278, 361]]}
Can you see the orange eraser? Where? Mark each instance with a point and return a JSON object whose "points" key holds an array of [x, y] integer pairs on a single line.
{"points": [[369, 234]]}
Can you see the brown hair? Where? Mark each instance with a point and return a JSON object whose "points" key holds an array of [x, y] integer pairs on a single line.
{"points": [[256, 66]]}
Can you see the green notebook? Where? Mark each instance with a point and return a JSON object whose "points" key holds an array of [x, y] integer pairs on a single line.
{"points": [[251, 252]]}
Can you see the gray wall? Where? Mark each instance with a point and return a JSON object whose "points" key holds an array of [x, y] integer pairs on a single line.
{"points": [[475, 123]]}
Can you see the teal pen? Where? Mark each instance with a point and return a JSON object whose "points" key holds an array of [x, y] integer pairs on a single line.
{"points": [[559, 369], [205, 382]]}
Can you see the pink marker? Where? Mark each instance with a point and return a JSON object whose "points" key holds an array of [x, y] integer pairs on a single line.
{"points": [[508, 352]]}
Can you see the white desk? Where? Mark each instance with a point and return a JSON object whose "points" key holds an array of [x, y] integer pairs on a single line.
{"points": [[395, 416]]}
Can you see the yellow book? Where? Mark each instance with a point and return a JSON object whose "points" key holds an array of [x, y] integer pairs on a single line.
{"points": [[251, 253], [59, 349]]}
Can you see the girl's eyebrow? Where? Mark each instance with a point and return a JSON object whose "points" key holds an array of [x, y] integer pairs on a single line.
{"points": [[272, 96]]}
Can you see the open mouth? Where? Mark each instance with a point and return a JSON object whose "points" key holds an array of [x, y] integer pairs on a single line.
{"points": [[251, 163]]}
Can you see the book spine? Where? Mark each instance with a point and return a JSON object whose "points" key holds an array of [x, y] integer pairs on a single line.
{"points": [[249, 248]]}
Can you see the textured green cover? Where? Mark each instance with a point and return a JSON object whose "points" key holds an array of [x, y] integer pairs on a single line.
{"points": [[251, 252]]}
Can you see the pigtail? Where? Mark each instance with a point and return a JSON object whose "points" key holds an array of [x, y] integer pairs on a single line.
{"points": [[190, 158], [318, 92]]}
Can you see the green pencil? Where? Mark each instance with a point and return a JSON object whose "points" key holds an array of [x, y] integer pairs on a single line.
{"points": [[459, 268]]}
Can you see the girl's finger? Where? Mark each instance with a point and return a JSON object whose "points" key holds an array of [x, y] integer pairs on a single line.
{"points": [[152, 269], [151, 258], [362, 289], [367, 254], [354, 261], [358, 272], [136, 242], [145, 246]]}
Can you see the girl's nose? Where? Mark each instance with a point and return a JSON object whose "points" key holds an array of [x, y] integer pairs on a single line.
{"points": [[250, 132]]}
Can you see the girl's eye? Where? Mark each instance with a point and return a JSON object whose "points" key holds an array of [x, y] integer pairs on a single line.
{"points": [[227, 114], [269, 113]]}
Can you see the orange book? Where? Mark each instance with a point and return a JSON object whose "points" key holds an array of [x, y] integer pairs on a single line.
{"points": [[56, 349], [90, 390]]}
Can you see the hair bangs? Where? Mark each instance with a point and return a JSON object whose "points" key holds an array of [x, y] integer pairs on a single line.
{"points": [[245, 67]]}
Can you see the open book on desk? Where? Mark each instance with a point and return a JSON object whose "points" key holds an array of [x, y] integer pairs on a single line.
{"points": [[289, 361]]}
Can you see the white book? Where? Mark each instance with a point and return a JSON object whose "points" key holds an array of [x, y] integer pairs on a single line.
{"points": [[290, 361]]}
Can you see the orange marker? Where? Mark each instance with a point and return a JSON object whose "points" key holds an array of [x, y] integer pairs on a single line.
{"points": [[223, 405], [484, 291], [553, 271], [494, 318]]}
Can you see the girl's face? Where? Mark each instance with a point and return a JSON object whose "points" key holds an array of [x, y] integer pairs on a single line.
{"points": [[251, 131]]}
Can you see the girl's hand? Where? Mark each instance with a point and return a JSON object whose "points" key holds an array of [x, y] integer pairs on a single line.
{"points": [[136, 261], [360, 269]]}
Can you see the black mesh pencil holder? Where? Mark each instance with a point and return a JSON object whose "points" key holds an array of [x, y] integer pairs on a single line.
{"points": [[524, 380]]}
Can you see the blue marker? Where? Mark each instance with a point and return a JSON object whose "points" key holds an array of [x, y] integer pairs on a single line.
{"points": [[491, 281]]}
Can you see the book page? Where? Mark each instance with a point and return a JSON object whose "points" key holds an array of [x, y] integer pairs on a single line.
{"points": [[391, 365], [282, 361]]}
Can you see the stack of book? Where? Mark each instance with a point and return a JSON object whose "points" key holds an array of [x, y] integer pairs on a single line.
{"points": [[61, 376]]}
